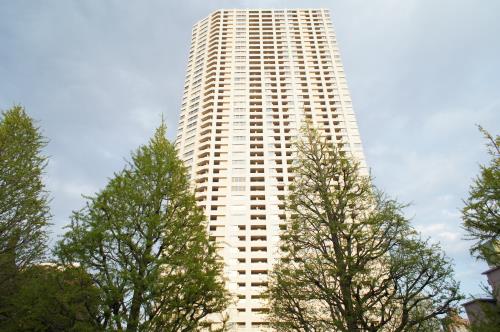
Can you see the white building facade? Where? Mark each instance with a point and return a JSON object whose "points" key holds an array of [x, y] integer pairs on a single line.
{"points": [[253, 77]]}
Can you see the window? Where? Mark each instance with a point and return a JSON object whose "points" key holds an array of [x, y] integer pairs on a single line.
{"points": [[237, 188]]}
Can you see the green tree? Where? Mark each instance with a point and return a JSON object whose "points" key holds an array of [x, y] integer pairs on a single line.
{"points": [[143, 240], [49, 298], [24, 210], [350, 259], [481, 221], [481, 213]]}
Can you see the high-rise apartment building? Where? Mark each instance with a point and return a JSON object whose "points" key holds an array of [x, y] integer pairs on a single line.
{"points": [[253, 77]]}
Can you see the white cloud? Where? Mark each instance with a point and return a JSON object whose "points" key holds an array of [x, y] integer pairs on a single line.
{"points": [[61, 187], [450, 237], [147, 118]]}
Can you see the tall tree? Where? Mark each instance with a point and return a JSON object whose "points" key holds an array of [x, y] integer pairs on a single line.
{"points": [[24, 210], [481, 213], [143, 240], [350, 259]]}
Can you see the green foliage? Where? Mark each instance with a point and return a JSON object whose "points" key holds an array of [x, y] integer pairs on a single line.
{"points": [[481, 214], [24, 211], [52, 299], [144, 242], [350, 259]]}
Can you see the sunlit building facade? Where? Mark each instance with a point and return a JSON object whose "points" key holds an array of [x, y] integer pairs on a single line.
{"points": [[252, 79]]}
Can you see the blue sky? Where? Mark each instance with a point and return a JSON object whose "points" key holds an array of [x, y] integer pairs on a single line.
{"points": [[97, 75]]}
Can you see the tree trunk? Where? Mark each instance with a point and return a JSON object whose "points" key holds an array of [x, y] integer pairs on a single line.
{"points": [[135, 310]]}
